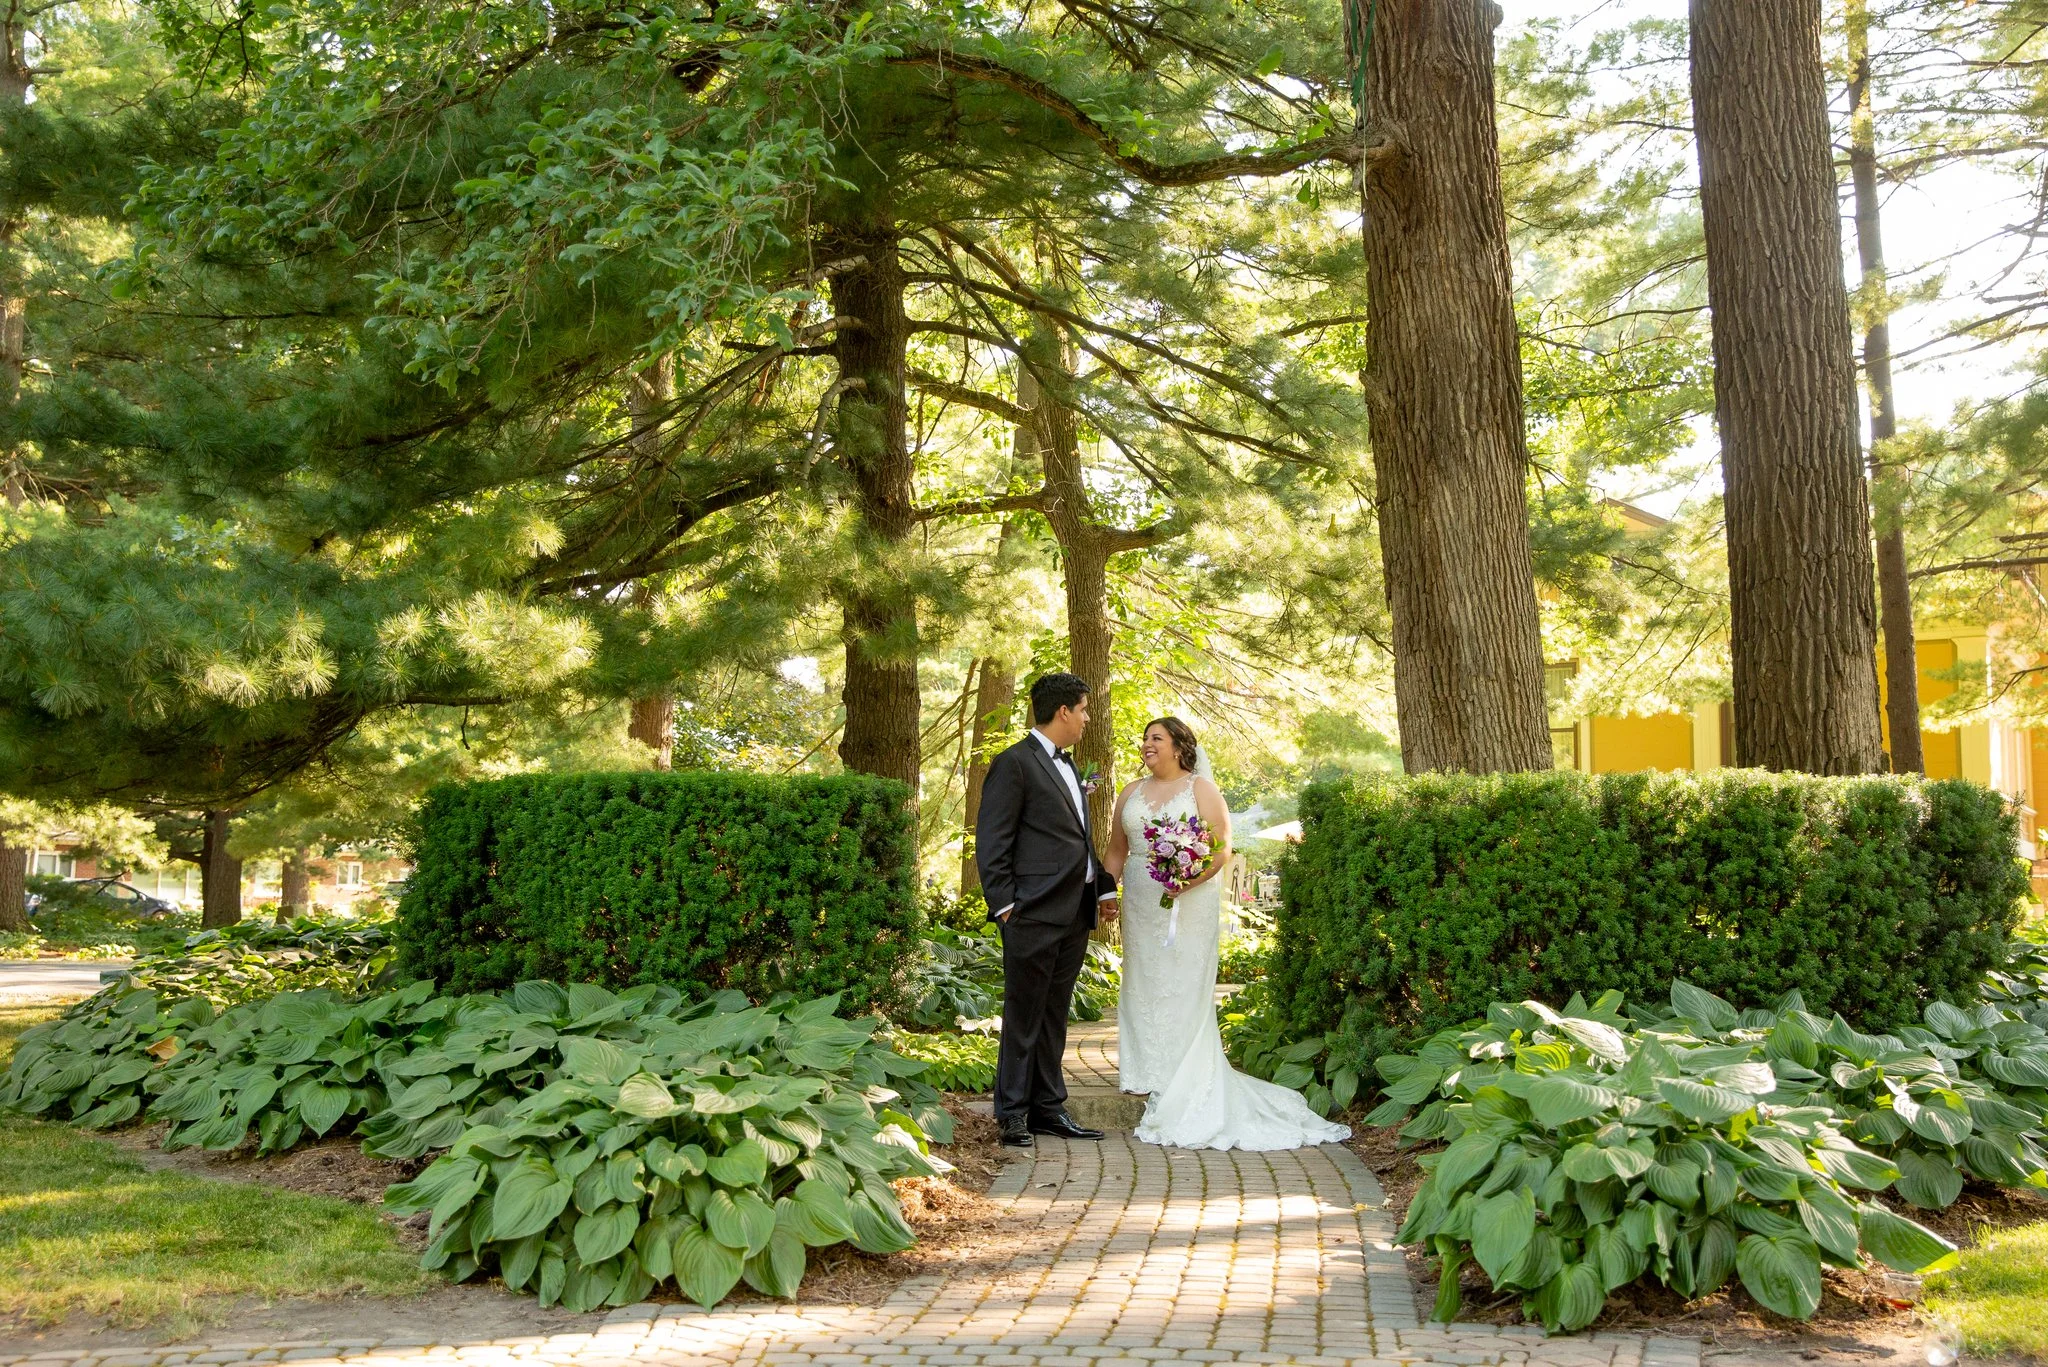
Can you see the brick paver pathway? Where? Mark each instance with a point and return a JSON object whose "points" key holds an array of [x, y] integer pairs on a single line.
{"points": [[1136, 1255]]}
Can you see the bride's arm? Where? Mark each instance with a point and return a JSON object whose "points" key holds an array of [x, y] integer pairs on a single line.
{"points": [[1216, 813], [1119, 843]]}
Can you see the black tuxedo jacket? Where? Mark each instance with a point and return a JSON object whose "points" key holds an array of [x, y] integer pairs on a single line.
{"points": [[1030, 844]]}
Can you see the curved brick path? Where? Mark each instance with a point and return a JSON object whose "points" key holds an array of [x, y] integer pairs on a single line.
{"points": [[1132, 1255]]}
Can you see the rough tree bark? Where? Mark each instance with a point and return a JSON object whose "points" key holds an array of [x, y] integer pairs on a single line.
{"points": [[13, 885], [1798, 516], [1444, 389], [220, 875], [295, 887], [871, 437], [1086, 547], [16, 77], [653, 718], [995, 706], [1894, 588]]}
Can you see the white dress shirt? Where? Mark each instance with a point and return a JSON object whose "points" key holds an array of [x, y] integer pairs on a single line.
{"points": [[1080, 806]]}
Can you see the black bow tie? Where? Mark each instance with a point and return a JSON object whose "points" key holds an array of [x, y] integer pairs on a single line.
{"points": [[1064, 756]]}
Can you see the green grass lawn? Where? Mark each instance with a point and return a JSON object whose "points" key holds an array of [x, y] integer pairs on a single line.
{"points": [[84, 1228], [1999, 1293]]}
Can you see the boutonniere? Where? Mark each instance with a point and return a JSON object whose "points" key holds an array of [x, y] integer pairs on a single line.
{"points": [[1090, 776]]}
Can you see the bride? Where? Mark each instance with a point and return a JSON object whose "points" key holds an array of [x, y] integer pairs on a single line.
{"points": [[1167, 1041]]}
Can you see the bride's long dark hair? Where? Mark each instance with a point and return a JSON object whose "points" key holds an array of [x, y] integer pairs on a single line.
{"points": [[1183, 737]]}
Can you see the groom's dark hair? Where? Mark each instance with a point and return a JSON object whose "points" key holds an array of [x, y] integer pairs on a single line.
{"points": [[1051, 692]]}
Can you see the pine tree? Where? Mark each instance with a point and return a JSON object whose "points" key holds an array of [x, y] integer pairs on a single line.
{"points": [[1804, 636], [1445, 386]]}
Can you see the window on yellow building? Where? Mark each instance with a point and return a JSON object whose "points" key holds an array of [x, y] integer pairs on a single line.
{"points": [[1564, 729]]}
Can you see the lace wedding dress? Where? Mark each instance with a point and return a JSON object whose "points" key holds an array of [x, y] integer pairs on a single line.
{"points": [[1167, 1041]]}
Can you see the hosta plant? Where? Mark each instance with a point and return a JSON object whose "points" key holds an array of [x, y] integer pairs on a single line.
{"points": [[957, 977], [710, 1150], [959, 1062], [293, 1067], [253, 961], [1583, 1155], [2020, 984], [91, 1066], [1959, 1097], [1320, 1067]]}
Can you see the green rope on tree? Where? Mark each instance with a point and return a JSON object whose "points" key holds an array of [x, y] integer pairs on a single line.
{"points": [[1360, 39]]}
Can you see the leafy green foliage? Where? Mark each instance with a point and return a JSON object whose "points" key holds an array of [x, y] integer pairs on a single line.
{"points": [[254, 960], [91, 1066], [68, 917], [1243, 957], [658, 1123], [960, 1062], [1960, 1097], [1321, 1067], [958, 977], [1583, 1155], [707, 881], [1413, 904], [714, 1149]]}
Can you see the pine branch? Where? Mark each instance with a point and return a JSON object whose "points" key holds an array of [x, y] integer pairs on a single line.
{"points": [[982, 507], [1203, 171], [968, 397], [1987, 563]]}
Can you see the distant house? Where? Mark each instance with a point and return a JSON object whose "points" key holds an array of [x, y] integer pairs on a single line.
{"points": [[338, 881], [1988, 750]]}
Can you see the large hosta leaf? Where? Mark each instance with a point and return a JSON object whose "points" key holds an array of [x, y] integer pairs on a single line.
{"points": [[1572, 1299], [1899, 1243], [528, 1200], [1501, 1228], [1929, 1181], [1697, 1101], [705, 1268], [1936, 1114], [1558, 1100], [607, 1232], [1783, 1273], [1467, 1157], [745, 1164]]}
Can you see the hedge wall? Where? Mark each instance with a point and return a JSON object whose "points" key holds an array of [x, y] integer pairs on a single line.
{"points": [[1411, 904], [699, 880]]}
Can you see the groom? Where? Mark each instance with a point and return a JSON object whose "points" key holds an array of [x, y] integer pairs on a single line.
{"points": [[1045, 888]]}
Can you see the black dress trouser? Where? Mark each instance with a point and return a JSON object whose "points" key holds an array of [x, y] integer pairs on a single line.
{"points": [[1041, 963]]}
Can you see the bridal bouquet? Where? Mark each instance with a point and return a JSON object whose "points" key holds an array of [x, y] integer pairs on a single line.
{"points": [[1178, 850]]}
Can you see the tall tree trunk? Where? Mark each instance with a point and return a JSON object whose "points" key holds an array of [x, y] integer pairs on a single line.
{"points": [[995, 708], [871, 437], [1053, 440], [1799, 563], [13, 884], [16, 77], [295, 887], [1444, 388], [220, 875], [653, 724], [653, 717], [1894, 589]]}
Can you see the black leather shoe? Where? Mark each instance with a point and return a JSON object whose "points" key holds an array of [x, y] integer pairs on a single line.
{"points": [[1016, 1134], [1061, 1126]]}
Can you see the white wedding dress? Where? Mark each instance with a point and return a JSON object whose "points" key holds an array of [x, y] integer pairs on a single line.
{"points": [[1167, 1041]]}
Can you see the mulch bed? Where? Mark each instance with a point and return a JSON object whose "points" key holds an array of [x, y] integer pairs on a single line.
{"points": [[1861, 1313]]}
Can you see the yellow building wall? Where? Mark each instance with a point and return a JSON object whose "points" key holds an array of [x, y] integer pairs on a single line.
{"points": [[1627, 744], [1942, 750]]}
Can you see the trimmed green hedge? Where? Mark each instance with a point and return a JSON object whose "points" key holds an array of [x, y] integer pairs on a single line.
{"points": [[702, 881], [1412, 904]]}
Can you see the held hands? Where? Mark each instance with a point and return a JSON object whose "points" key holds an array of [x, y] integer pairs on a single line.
{"points": [[1106, 909]]}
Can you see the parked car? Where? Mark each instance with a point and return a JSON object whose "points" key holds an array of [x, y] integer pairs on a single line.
{"points": [[119, 896]]}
